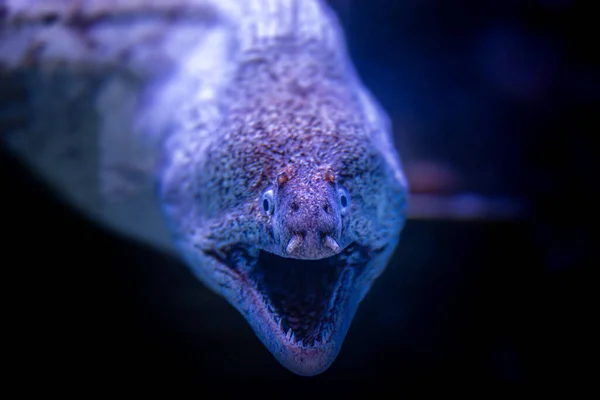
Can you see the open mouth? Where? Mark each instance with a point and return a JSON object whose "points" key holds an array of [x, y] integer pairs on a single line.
{"points": [[303, 297]]}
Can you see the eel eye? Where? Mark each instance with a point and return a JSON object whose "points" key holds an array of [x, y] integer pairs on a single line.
{"points": [[344, 198], [267, 202]]}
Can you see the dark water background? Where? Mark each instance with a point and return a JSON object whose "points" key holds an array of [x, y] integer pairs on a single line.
{"points": [[503, 92]]}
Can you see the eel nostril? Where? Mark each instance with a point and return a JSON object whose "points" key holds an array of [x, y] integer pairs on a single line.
{"points": [[331, 243], [294, 243], [294, 207], [326, 208]]}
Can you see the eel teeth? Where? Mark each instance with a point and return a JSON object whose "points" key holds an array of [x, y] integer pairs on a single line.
{"points": [[332, 244], [289, 334], [293, 244]]}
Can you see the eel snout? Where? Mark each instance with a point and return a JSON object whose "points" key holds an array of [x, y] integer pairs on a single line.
{"points": [[311, 231], [308, 215]]}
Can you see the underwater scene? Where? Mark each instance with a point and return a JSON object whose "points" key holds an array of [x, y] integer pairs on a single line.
{"points": [[324, 195]]}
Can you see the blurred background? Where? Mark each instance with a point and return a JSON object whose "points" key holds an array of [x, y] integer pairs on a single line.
{"points": [[493, 105]]}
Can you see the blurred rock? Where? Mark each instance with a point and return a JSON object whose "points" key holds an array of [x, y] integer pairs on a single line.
{"points": [[432, 177]]}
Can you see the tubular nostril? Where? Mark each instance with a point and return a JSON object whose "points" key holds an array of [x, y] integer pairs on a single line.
{"points": [[326, 208], [294, 207], [294, 243], [332, 244]]}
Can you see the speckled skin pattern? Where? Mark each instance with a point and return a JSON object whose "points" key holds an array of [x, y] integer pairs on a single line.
{"points": [[276, 170], [300, 165], [294, 128]]}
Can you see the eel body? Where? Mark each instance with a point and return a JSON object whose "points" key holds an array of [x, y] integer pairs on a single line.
{"points": [[257, 155]]}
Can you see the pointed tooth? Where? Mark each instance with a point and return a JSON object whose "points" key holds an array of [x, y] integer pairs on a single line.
{"points": [[293, 244], [288, 336], [316, 343], [332, 244]]}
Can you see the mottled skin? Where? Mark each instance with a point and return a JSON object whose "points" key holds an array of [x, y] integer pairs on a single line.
{"points": [[296, 132], [276, 170]]}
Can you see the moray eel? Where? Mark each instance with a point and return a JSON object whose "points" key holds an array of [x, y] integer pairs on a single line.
{"points": [[276, 173]]}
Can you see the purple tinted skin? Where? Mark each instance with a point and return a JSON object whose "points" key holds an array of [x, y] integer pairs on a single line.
{"points": [[281, 184], [293, 205]]}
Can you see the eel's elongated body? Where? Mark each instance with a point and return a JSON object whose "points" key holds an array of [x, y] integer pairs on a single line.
{"points": [[276, 172]]}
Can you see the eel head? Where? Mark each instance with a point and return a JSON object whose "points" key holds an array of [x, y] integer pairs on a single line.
{"points": [[295, 262]]}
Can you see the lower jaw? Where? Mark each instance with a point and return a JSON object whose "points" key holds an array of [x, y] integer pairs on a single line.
{"points": [[300, 358], [310, 361]]}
